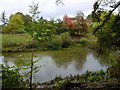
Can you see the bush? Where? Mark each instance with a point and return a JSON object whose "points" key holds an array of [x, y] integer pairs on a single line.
{"points": [[11, 78], [32, 44], [9, 30], [60, 41], [84, 41], [66, 39], [114, 70], [94, 76], [55, 43]]}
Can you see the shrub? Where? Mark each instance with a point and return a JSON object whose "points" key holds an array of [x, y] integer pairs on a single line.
{"points": [[11, 78], [114, 70], [55, 43], [84, 41], [60, 41], [94, 76], [66, 39], [32, 44]]}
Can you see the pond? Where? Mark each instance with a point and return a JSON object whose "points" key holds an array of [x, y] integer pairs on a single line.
{"points": [[65, 62]]}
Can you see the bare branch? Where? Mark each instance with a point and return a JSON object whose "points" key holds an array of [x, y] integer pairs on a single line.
{"points": [[58, 2]]}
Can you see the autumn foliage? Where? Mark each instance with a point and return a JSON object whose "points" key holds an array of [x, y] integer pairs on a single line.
{"points": [[76, 25], [68, 22]]}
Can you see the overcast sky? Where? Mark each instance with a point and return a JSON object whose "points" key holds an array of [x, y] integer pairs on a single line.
{"points": [[48, 8]]}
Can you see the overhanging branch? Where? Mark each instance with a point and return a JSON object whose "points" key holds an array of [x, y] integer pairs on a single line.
{"points": [[107, 18]]}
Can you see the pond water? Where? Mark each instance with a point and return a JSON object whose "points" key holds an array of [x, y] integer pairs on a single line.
{"points": [[65, 62]]}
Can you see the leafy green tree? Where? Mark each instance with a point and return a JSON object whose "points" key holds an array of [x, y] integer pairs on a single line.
{"points": [[97, 7], [57, 25], [108, 29], [16, 19], [60, 28], [26, 18], [27, 21], [108, 36], [45, 30], [40, 28], [15, 25]]}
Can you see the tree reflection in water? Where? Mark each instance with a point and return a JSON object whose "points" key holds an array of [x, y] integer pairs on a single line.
{"points": [[65, 62]]}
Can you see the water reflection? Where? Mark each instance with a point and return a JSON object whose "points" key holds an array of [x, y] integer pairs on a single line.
{"points": [[49, 69], [65, 57], [70, 61], [1, 59], [92, 64]]}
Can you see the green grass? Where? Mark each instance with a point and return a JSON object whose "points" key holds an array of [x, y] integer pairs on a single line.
{"points": [[15, 39], [17, 42]]}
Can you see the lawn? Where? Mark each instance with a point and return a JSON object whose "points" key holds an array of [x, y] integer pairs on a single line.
{"points": [[9, 40], [16, 42]]}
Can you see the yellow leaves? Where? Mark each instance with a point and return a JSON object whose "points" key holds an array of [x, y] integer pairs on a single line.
{"points": [[15, 25], [103, 14], [17, 21]]}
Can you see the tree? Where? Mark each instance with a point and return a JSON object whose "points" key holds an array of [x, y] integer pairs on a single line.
{"points": [[33, 10], [108, 36], [3, 18], [108, 32], [96, 6], [81, 23], [77, 25], [68, 22], [17, 20], [59, 2], [40, 28], [34, 26], [15, 25], [108, 29], [27, 20], [44, 31]]}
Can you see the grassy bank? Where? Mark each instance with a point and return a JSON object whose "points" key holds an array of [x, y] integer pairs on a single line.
{"points": [[98, 79], [18, 42], [24, 42], [88, 80]]}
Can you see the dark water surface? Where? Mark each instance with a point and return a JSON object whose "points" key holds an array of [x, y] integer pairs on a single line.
{"points": [[65, 62]]}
